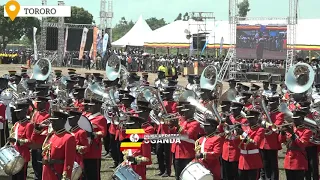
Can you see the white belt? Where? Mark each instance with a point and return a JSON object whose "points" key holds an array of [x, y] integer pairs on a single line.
{"points": [[253, 151]]}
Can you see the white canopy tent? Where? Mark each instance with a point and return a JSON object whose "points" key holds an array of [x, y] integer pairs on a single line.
{"points": [[136, 36], [174, 35]]}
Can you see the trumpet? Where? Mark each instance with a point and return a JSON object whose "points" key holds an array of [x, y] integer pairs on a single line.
{"points": [[228, 129], [274, 128]]}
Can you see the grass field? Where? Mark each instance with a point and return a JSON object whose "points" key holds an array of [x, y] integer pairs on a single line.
{"points": [[107, 172]]}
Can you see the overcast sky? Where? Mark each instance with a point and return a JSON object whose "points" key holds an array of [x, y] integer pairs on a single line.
{"points": [[169, 9]]}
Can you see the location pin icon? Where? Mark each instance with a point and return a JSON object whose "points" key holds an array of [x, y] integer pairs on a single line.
{"points": [[12, 9]]}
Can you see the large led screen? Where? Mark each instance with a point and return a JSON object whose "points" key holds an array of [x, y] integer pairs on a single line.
{"points": [[261, 41]]}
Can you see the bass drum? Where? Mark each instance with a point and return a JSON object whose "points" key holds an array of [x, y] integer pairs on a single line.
{"points": [[195, 171], [11, 162], [124, 172]]}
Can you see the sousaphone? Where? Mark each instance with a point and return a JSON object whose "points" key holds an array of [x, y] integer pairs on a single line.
{"points": [[113, 67], [42, 69], [209, 80], [300, 78]]}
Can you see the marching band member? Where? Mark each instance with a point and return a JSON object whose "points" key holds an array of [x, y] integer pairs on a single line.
{"points": [[206, 101], [266, 92], [82, 142], [184, 152], [79, 96], [274, 87], [164, 149], [296, 139], [39, 135], [86, 106], [311, 148], [270, 146], [231, 152], [31, 85], [81, 81], [145, 79], [92, 159], [136, 158], [297, 98], [59, 150], [160, 81], [117, 133], [245, 100], [5, 114], [232, 83], [21, 137], [190, 82], [209, 148], [250, 160], [58, 74]]}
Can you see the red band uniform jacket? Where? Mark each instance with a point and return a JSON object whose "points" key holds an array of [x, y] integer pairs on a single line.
{"points": [[231, 151], [60, 146], [99, 124], [250, 157], [185, 149], [120, 132], [148, 129], [39, 136], [3, 113], [296, 156], [23, 131], [312, 117], [271, 141], [82, 144], [211, 147]]}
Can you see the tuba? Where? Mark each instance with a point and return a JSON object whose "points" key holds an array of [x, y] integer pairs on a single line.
{"points": [[209, 80], [300, 78], [42, 69], [113, 67]]}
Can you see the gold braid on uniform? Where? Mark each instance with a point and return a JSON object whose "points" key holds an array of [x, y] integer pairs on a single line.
{"points": [[197, 146], [46, 147], [64, 176]]}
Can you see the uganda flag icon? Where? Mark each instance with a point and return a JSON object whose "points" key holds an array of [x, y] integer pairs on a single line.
{"points": [[133, 140]]}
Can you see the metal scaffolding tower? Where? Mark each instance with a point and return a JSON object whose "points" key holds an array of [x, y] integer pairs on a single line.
{"points": [[43, 37], [109, 18], [230, 62], [291, 36], [60, 37], [201, 23], [103, 15]]}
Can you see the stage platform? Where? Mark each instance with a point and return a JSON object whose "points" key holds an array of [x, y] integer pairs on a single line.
{"points": [[259, 77]]}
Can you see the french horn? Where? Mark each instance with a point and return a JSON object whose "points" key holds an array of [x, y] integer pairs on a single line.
{"points": [[299, 78]]}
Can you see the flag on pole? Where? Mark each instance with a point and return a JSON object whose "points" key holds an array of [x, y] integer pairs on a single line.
{"points": [[65, 42], [83, 42], [35, 49]]}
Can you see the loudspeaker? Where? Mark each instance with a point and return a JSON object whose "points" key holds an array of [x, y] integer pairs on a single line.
{"points": [[52, 39], [198, 41]]}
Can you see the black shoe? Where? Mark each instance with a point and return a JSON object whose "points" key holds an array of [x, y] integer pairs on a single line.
{"points": [[160, 174], [165, 175]]}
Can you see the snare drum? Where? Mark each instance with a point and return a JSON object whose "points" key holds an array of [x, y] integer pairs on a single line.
{"points": [[76, 171], [125, 172], [195, 171], [11, 162]]}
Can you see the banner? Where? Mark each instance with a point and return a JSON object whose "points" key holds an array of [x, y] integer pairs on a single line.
{"points": [[91, 51], [221, 45], [65, 43], [95, 42], [105, 44], [83, 42], [205, 45], [99, 42], [35, 49], [191, 47]]}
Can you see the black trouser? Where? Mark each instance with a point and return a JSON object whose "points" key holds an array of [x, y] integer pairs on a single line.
{"points": [[37, 163], [295, 174], [252, 174], [179, 165], [230, 170], [4, 134], [164, 157], [221, 167], [21, 175], [106, 141], [114, 151], [88, 63], [313, 168], [92, 169], [270, 170]]}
